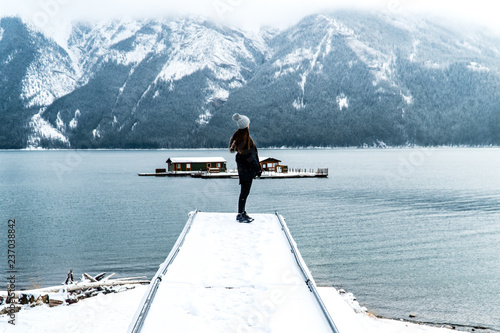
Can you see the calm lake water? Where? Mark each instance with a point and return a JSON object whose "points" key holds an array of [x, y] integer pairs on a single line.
{"points": [[404, 230]]}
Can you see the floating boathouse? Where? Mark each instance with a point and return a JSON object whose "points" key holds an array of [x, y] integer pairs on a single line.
{"points": [[197, 164], [272, 165]]}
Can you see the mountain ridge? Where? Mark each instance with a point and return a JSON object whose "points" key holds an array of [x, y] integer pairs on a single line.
{"points": [[338, 79]]}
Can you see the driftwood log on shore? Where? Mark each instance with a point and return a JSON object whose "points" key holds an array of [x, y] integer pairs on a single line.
{"points": [[97, 282], [75, 287]]}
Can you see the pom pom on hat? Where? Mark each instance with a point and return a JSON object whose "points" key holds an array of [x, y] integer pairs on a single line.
{"points": [[242, 121]]}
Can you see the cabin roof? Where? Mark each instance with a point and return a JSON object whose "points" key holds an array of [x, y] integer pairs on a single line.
{"points": [[196, 160], [268, 159]]}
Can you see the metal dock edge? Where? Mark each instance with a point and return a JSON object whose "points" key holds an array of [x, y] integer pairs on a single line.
{"points": [[140, 316], [306, 273]]}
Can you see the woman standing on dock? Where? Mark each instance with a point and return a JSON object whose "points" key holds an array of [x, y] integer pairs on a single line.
{"points": [[247, 160]]}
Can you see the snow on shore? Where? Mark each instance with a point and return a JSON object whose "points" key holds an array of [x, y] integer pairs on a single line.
{"points": [[103, 313], [113, 313]]}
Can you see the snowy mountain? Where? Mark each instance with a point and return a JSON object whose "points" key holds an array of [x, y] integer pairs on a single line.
{"points": [[35, 72], [148, 83], [347, 78], [355, 79]]}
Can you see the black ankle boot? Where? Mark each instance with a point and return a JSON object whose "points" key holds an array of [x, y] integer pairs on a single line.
{"points": [[245, 215], [243, 218]]}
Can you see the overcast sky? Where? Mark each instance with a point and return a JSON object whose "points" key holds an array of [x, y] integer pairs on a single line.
{"points": [[249, 14]]}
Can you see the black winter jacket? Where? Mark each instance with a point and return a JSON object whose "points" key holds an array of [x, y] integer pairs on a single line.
{"points": [[248, 163]]}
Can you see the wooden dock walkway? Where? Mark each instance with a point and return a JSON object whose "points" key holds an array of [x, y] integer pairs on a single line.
{"points": [[225, 276]]}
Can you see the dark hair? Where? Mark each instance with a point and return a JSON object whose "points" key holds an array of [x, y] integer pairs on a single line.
{"points": [[242, 140]]}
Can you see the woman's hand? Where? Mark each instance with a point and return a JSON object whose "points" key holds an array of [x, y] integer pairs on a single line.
{"points": [[232, 147]]}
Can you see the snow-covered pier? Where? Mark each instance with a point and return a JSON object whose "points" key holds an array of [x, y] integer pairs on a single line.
{"points": [[225, 276]]}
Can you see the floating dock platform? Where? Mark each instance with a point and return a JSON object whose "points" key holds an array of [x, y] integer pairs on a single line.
{"points": [[225, 276], [320, 173]]}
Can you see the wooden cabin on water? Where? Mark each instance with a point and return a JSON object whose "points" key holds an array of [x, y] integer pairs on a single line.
{"points": [[216, 167], [194, 164], [272, 164]]}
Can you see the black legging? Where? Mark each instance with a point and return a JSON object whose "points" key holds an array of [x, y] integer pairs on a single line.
{"points": [[245, 191]]}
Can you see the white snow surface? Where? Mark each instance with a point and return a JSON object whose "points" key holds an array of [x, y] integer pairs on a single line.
{"points": [[414, 54], [342, 101], [194, 48], [103, 313], [380, 64], [74, 122], [227, 277], [475, 67], [197, 159], [232, 277], [309, 60], [47, 78], [42, 129], [407, 98], [96, 133]]}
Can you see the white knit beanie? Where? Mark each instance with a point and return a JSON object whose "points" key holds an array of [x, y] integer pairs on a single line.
{"points": [[242, 121]]}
